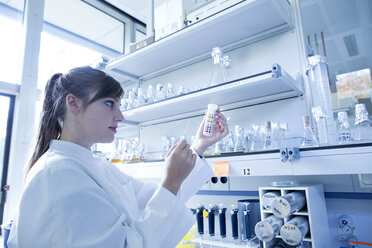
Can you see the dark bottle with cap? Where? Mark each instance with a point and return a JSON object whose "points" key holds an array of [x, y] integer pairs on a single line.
{"points": [[234, 222], [222, 219]]}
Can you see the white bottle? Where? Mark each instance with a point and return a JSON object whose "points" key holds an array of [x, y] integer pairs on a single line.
{"points": [[209, 122]]}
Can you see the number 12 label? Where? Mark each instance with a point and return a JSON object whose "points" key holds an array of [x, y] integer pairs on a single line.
{"points": [[246, 172]]}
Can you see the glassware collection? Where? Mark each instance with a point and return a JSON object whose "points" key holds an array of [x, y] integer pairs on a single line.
{"points": [[266, 136], [127, 151], [136, 97]]}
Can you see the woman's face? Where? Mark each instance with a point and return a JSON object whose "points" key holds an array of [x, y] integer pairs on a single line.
{"points": [[99, 120]]}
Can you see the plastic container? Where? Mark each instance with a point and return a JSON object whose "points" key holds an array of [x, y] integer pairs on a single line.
{"points": [[209, 123]]}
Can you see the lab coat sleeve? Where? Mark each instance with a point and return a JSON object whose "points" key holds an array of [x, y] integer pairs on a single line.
{"points": [[199, 176], [64, 207], [164, 218]]}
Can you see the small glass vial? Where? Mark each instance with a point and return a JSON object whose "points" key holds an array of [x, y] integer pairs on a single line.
{"points": [[362, 123], [295, 230], [268, 228], [209, 122], [308, 139], [320, 115], [344, 133], [268, 140]]}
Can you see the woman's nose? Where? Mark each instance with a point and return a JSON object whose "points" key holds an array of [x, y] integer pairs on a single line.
{"points": [[119, 116]]}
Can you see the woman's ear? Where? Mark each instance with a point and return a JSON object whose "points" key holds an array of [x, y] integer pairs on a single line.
{"points": [[73, 103]]}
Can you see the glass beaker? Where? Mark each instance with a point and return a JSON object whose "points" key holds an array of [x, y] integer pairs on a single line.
{"points": [[288, 204], [295, 230], [268, 228]]}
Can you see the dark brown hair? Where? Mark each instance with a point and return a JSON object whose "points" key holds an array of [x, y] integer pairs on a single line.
{"points": [[82, 82]]}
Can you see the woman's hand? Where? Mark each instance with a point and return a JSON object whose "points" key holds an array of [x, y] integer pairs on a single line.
{"points": [[179, 162], [220, 130]]}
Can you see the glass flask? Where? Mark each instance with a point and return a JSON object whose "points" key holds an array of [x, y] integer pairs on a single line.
{"points": [[126, 149], [320, 115], [308, 139], [257, 137], [160, 93], [288, 204], [294, 230], [247, 139], [116, 154], [139, 151], [268, 143], [226, 61], [221, 145], [363, 124], [131, 99], [218, 75], [268, 228], [239, 139], [230, 144], [166, 145], [140, 100], [344, 133], [150, 97], [170, 91]]}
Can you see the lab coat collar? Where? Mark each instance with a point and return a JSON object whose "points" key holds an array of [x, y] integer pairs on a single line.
{"points": [[70, 148]]}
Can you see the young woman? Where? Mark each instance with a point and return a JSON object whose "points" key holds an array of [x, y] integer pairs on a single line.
{"points": [[73, 199]]}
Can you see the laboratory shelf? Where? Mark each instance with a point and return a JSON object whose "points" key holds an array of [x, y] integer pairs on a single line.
{"points": [[349, 159], [231, 28], [258, 88]]}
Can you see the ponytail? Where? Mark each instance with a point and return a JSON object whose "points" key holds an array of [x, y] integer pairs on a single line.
{"points": [[82, 82], [49, 127]]}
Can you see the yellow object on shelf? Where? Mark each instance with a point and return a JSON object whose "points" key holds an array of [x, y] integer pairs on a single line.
{"points": [[115, 160], [186, 242]]}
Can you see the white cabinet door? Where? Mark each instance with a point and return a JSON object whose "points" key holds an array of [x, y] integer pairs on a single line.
{"points": [[352, 160]]}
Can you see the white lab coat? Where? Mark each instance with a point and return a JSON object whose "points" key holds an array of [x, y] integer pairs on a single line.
{"points": [[73, 199]]}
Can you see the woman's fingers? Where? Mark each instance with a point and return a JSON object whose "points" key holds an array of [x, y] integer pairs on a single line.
{"points": [[171, 150]]}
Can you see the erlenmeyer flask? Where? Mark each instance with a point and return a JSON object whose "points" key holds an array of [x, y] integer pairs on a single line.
{"points": [[308, 139], [217, 76]]}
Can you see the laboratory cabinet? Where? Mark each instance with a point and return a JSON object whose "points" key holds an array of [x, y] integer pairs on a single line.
{"points": [[242, 23], [256, 92]]}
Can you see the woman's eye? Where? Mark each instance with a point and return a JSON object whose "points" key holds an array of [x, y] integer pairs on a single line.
{"points": [[110, 103]]}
